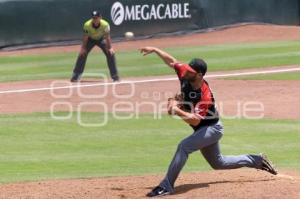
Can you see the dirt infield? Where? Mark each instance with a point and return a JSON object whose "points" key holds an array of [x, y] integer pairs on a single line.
{"points": [[243, 183], [278, 101], [243, 34]]}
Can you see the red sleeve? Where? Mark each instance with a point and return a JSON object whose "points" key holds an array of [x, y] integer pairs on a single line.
{"points": [[202, 107], [176, 68]]}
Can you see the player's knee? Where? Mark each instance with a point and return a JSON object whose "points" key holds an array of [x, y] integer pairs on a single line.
{"points": [[82, 54], [217, 164], [180, 147], [184, 146], [109, 54]]}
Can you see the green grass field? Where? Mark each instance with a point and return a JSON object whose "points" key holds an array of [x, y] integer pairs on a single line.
{"points": [[278, 76], [35, 147], [219, 57]]}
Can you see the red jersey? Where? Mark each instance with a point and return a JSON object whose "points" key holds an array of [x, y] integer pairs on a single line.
{"points": [[201, 102]]}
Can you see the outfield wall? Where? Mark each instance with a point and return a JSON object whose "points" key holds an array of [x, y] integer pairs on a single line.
{"points": [[39, 21]]}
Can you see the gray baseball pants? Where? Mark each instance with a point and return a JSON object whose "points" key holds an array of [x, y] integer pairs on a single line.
{"points": [[206, 139]]}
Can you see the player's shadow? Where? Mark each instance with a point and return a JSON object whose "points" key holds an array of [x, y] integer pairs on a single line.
{"points": [[188, 187]]}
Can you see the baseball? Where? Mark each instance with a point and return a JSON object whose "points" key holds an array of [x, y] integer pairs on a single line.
{"points": [[129, 35]]}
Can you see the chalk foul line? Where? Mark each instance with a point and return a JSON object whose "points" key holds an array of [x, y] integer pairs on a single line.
{"points": [[147, 81]]}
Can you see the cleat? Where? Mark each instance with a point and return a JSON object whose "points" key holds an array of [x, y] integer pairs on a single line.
{"points": [[116, 80], [267, 165], [158, 191], [75, 78]]}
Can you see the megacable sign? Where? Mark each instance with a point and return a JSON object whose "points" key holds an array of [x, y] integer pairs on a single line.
{"points": [[146, 12]]}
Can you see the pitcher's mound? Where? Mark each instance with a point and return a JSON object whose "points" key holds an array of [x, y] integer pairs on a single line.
{"points": [[243, 183]]}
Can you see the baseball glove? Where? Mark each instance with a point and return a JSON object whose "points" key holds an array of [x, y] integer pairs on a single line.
{"points": [[178, 100]]}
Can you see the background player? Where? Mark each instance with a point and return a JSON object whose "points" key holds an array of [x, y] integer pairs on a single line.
{"points": [[96, 32], [201, 114]]}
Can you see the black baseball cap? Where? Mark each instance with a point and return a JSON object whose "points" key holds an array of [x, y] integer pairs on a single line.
{"points": [[198, 65], [96, 13]]}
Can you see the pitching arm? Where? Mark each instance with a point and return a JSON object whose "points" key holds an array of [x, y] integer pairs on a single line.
{"points": [[167, 58]]}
